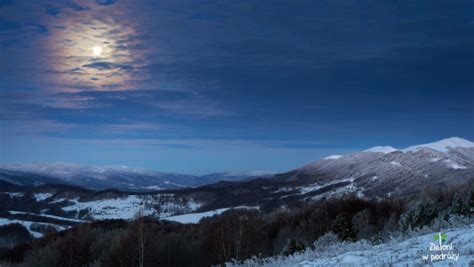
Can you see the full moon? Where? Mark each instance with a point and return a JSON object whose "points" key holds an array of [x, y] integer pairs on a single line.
{"points": [[97, 50]]}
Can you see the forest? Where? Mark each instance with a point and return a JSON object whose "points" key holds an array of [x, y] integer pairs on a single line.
{"points": [[235, 235]]}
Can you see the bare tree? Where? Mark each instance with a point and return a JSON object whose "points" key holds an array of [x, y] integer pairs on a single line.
{"points": [[141, 235]]}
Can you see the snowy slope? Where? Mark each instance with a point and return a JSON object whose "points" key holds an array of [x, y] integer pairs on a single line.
{"points": [[444, 145], [404, 252], [196, 217], [398, 171]]}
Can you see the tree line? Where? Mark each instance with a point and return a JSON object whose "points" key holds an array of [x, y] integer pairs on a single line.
{"points": [[236, 234]]}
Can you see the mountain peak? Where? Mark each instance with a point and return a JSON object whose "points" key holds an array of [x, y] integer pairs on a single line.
{"points": [[443, 145]]}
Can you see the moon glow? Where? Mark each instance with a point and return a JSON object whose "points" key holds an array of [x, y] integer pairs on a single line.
{"points": [[97, 50]]}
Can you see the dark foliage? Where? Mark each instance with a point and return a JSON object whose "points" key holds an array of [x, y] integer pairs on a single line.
{"points": [[294, 245], [236, 234], [343, 228], [13, 234]]}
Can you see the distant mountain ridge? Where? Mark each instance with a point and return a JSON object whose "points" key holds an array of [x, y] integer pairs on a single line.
{"points": [[116, 177], [377, 171]]}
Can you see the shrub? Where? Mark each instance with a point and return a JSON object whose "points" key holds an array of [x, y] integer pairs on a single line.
{"points": [[458, 207], [343, 228], [327, 240], [294, 245], [421, 215]]}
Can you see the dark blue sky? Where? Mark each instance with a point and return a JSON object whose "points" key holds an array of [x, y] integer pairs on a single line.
{"points": [[202, 86]]}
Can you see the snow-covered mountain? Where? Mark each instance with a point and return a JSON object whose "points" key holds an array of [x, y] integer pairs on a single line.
{"points": [[104, 177], [378, 172], [384, 170]]}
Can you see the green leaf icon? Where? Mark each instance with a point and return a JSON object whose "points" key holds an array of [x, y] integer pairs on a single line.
{"points": [[443, 237]]}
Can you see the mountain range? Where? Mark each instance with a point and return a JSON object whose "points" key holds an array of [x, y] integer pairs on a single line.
{"points": [[71, 191], [381, 169], [111, 177]]}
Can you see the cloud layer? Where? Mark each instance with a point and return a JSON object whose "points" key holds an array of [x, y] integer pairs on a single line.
{"points": [[283, 76]]}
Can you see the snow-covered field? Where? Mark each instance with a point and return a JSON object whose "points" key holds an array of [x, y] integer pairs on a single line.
{"points": [[46, 215], [196, 217], [398, 252], [130, 206]]}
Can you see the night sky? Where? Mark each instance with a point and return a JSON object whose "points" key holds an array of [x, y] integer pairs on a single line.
{"points": [[203, 86]]}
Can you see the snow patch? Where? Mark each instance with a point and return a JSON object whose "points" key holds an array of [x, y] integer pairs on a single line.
{"points": [[13, 212], [14, 194], [41, 196], [454, 165], [396, 163], [333, 157], [314, 187], [156, 187], [196, 217], [381, 149]]}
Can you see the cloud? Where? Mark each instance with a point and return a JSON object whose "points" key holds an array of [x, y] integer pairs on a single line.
{"points": [[104, 65], [105, 2], [76, 7], [53, 10]]}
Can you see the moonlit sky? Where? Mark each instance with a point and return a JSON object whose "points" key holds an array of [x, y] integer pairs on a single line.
{"points": [[204, 86]]}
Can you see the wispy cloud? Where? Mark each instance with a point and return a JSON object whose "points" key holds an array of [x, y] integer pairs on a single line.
{"points": [[105, 2], [291, 76]]}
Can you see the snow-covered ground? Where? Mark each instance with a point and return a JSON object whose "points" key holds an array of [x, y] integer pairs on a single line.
{"points": [[130, 206], [116, 208], [46, 215], [196, 217], [14, 194], [310, 188], [400, 252], [42, 196]]}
